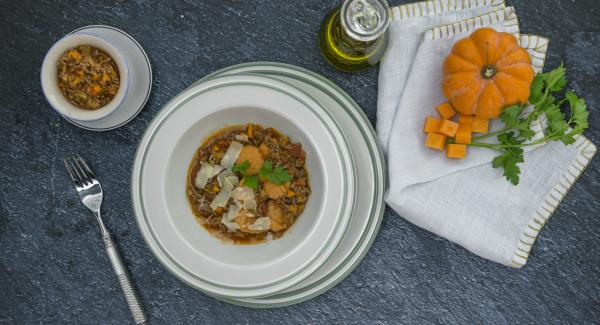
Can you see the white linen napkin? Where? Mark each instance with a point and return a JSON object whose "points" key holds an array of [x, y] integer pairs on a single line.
{"points": [[467, 201], [406, 29]]}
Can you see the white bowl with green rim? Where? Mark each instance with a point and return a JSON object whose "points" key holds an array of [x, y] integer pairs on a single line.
{"points": [[167, 223], [371, 181]]}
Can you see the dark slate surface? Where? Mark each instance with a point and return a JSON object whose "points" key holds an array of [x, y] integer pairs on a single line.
{"points": [[52, 266]]}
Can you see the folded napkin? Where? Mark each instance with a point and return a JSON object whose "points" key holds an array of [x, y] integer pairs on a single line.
{"points": [[409, 22], [465, 201]]}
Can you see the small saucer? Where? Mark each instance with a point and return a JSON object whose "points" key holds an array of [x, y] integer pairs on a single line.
{"points": [[140, 74]]}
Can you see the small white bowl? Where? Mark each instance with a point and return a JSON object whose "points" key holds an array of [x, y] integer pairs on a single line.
{"points": [[49, 77]]}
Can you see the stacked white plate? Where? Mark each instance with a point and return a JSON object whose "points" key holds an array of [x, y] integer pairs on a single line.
{"points": [[347, 178]]}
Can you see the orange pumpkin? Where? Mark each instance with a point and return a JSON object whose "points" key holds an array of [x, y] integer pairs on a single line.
{"points": [[486, 72]]}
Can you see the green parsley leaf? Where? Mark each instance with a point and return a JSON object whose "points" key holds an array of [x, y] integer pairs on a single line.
{"points": [[266, 169], [556, 121], [241, 168], [279, 176], [555, 79], [579, 113], [526, 133], [537, 88], [510, 115], [251, 182], [509, 158], [578, 121]]}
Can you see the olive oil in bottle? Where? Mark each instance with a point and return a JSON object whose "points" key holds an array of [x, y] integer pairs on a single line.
{"points": [[353, 36]]}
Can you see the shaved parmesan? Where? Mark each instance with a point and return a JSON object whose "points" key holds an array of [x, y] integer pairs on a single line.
{"points": [[260, 224], [227, 180], [250, 204], [232, 154], [242, 193], [231, 214], [227, 176], [245, 195], [206, 172], [229, 217], [221, 199], [242, 138], [231, 226]]}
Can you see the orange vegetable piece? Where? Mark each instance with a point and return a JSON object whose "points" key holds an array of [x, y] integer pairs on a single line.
{"points": [[480, 125], [432, 124], [253, 156], [250, 131], [456, 151], [463, 134], [435, 141], [274, 191], [486, 72], [73, 54], [446, 110], [95, 89], [465, 119], [448, 128]]}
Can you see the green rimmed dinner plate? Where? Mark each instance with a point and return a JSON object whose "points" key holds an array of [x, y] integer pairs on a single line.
{"points": [[372, 182], [158, 187]]}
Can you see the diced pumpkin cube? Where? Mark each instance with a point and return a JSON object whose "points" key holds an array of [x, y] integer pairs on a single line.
{"points": [[448, 128], [480, 125], [446, 110], [432, 124], [456, 151], [463, 134], [435, 141], [465, 119]]}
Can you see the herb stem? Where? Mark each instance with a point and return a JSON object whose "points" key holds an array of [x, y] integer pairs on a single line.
{"points": [[499, 146], [491, 134]]}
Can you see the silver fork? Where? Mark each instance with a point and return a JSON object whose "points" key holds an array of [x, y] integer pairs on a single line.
{"points": [[90, 193]]}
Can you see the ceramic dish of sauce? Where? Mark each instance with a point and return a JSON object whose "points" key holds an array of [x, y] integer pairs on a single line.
{"points": [[88, 77], [84, 77]]}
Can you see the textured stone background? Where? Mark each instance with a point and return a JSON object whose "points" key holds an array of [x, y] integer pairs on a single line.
{"points": [[53, 268]]}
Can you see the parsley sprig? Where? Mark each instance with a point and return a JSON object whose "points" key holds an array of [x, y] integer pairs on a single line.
{"points": [[277, 175], [567, 117], [250, 181]]}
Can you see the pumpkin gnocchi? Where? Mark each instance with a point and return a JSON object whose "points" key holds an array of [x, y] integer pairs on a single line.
{"points": [[247, 184]]}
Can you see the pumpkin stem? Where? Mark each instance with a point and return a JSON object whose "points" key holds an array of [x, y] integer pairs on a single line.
{"points": [[488, 71]]}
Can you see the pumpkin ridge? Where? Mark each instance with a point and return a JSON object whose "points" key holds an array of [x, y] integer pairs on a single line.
{"points": [[506, 83], [505, 54], [483, 109], [465, 47], [515, 59], [463, 89], [476, 103], [514, 77], [473, 108], [464, 61], [512, 65], [503, 71]]}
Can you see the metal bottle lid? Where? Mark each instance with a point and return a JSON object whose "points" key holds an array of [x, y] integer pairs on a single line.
{"points": [[365, 20]]}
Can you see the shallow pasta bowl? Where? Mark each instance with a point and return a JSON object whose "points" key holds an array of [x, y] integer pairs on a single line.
{"points": [[159, 183]]}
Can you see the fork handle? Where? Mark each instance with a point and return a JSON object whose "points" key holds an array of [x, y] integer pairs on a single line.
{"points": [[117, 263]]}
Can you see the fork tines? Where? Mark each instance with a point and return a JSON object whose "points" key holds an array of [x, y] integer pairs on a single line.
{"points": [[81, 174]]}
